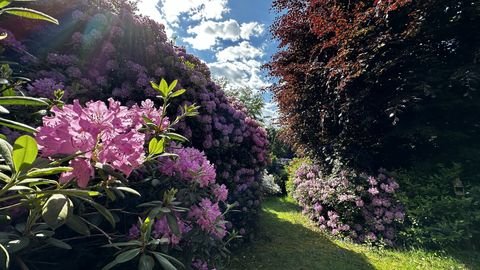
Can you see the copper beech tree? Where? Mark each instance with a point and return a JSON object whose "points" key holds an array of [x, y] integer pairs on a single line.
{"points": [[372, 83]]}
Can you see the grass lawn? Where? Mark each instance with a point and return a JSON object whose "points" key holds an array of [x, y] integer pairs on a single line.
{"points": [[287, 240]]}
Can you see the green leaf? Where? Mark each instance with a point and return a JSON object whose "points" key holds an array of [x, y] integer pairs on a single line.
{"points": [[127, 255], [24, 101], [172, 85], [25, 152], [32, 182], [146, 262], [78, 225], [4, 3], [30, 14], [16, 125], [176, 137], [172, 223], [124, 244], [173, 259], [154, 85], [5, 178], [4, 110], [163, 87], [156, 146], [110, 265], [129, 190], [48, 171], [166, 264], [16, 245], [4, 257], [6, 151], [58, 243], [103, 211], [56, 210], [178, 93]]}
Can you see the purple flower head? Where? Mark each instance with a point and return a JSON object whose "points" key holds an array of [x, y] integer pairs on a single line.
{"points": [[190, 165], [44, 87], [134, 232]]}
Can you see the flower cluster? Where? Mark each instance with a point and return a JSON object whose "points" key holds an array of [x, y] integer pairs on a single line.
{"points": [[161, 229], [209, 217], [104, 134], [190, 165], [361, 207]]}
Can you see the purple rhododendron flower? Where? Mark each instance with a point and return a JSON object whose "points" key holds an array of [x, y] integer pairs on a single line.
{"points": [[161, 229], [190, 165], [220, 192]]}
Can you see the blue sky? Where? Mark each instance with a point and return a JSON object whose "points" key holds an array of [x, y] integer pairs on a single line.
{"points": [[231, 36]]}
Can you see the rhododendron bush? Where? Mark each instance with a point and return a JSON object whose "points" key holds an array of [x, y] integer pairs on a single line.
{"points": [[106, 52], [361, 207], [127, 164]]}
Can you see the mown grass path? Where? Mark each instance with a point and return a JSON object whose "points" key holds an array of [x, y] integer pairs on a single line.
{"points": [[287, 240]]}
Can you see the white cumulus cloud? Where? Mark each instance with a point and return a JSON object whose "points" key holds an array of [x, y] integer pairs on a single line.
{"points": [[240, 65], [208, 34], [170, 12]]}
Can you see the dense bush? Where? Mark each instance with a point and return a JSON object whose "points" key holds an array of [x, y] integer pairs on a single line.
{"points": [[269, 185], [361, 82], [106, 51], [361, 207], [292, 169], [113, 153], [440, 210]]}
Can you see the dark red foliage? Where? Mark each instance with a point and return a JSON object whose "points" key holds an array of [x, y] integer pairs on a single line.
{"points": [[378, 83]]}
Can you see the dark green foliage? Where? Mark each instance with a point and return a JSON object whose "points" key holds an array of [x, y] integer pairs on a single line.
{"points": [[438, 213]]}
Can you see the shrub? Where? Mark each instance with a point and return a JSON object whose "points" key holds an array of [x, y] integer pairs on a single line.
{"points": [[107, 51], [364, 81], [175, 220], [292, 169], [357, 206], [269, 186], [438, 214]]}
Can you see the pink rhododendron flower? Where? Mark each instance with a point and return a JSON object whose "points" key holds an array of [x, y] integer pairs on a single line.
{"points": [[82, 171], [220, 192], [208, 216], [104, 134]]}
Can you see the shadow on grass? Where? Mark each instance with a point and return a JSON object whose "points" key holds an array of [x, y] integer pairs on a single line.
{"points": [[284, 243]]}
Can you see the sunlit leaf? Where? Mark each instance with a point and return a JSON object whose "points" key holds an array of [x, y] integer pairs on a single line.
{"points": [[178, 93], [4, 3], [24, 101], [25, 151], [16, 125], [6, 151], [129, 190], [56, 210], [5, 257], [30, 14], [48, 171], [4, 110], [16, 245]]}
